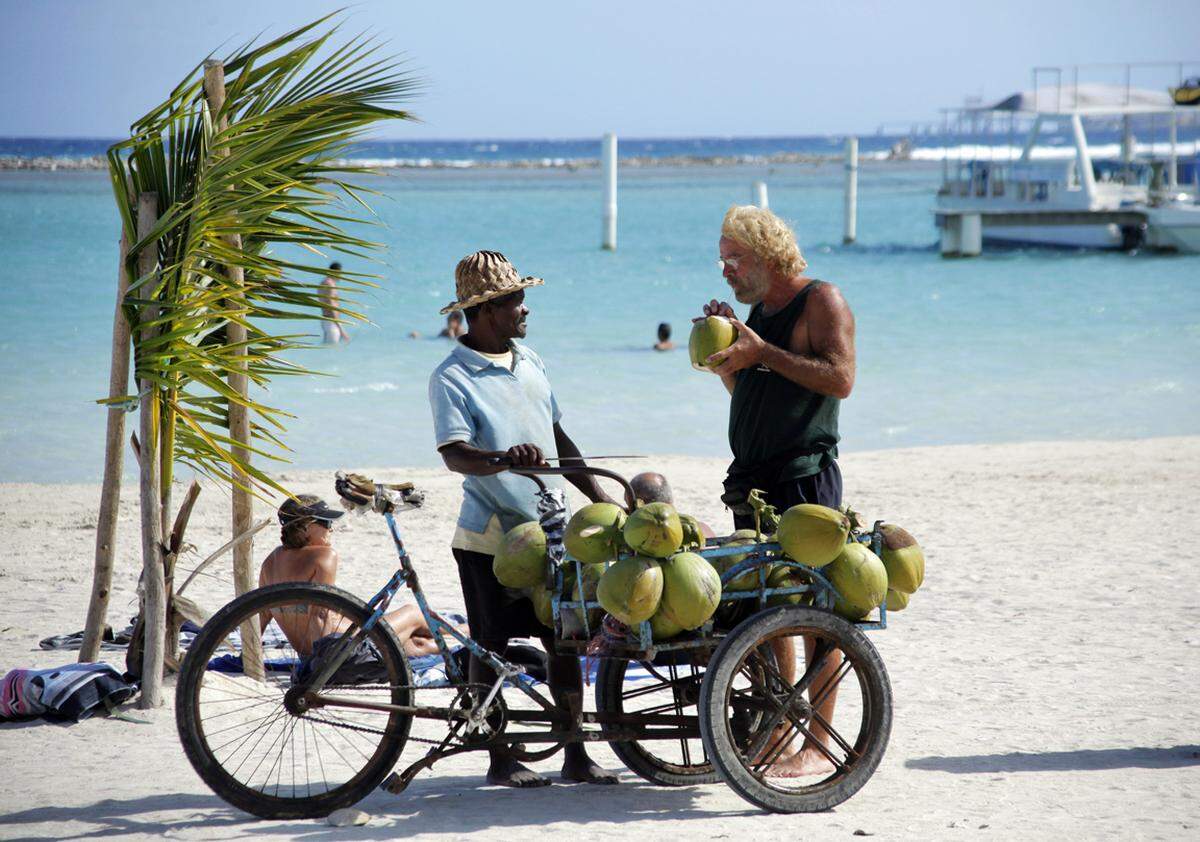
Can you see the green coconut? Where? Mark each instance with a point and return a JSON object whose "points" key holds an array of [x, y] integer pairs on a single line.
{"points": [[896, 600], [860, 579], [631, 589], [542, 606], [788, 577], [749, 579], [593, 534], [710, 335], [693, 535], [577, 591], [812, 534], [903, 558], [521, 560], [654, 530], [691, 590], [662, 627]]}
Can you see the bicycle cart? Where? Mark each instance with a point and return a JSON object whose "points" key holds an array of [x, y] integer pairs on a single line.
{"points": [[318, 730]]}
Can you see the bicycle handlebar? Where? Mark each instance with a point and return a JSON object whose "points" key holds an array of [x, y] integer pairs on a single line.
{"points": [[532, 472]]}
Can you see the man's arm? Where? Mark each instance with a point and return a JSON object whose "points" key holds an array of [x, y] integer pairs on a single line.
{"points": [[462, 458], [828, 369], [571, 457]]}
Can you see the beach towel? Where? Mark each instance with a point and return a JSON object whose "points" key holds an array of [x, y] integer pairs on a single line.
{"points": [[73, 692]]}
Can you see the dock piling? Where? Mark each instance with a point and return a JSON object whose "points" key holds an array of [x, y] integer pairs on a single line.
{"points": [[851, 231], [759, 192], [608, 163]]}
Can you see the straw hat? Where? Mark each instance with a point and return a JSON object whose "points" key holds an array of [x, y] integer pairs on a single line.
{"points": [[485, 275]]}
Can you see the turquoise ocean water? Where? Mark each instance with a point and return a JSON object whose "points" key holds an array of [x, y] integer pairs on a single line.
{"points": [[1016, 345]]}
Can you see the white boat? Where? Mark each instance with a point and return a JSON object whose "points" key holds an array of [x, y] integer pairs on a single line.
{"points": [[1119, 196]]}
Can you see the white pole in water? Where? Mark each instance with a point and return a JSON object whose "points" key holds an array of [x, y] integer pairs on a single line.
{"points": [[851, 191], [1172, 158], [608, 162], [760, 194]]}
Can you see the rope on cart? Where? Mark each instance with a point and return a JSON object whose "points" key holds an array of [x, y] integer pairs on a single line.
{"points": [[612, 633]]}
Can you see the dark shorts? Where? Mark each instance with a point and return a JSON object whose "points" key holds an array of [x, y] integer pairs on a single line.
{"points": [[823, 488], [495, 614]]}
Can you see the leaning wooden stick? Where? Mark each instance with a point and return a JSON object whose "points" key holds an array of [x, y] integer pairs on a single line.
{"points": [[110, 491], [224, 548]]}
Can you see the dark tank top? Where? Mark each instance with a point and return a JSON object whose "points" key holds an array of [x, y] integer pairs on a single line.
{"points": [[779, 430]]}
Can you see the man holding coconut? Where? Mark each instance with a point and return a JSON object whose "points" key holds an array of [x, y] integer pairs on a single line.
{"points": [[491, 398], [791, 366]]}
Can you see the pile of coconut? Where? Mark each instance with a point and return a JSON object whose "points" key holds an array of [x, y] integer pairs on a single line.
{"points": [[644, 567]]}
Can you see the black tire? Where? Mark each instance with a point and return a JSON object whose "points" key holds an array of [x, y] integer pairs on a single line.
{"points": [[357, 749], [863, 706], [674, 762]]}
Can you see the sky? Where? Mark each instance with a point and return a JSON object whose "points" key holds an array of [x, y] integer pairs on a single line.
{"points": [[87, 68]]}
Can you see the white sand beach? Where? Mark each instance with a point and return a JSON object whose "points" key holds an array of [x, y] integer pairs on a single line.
{"points": [[1044, 678]]}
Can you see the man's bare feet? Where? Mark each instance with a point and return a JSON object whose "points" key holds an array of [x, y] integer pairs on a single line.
{"points": [[579, 768], [807, 761], [772, 749], [504, 771]]}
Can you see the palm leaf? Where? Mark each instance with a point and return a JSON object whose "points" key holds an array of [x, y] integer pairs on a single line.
{"points": [[294, 106]]}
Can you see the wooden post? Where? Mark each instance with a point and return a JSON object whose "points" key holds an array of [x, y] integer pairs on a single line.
{"points": [[239, 418], [114, 460], [608, 163], [154, 611], [851, 221]]}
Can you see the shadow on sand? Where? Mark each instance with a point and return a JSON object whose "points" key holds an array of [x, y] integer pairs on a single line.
{"points": [[1083, 760], [454, 805]]}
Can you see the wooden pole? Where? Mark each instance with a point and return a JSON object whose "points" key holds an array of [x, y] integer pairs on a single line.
{"points": [[154, 612], [608, 162], [110, 491], [239, 418]]}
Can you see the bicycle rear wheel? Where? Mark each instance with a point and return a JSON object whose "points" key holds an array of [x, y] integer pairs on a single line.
{"points": [[628, 687], [254, 745]]}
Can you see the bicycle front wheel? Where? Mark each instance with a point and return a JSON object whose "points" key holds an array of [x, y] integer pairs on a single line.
{"points": [[251, 742], [833, 709]]}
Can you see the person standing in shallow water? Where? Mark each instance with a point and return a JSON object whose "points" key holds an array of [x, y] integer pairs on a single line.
{"points": [[491, 397], [787, 373], [332, 331]]}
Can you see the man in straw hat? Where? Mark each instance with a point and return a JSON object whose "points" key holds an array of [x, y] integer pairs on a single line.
{"points": [[787, 373], [491, 398]]}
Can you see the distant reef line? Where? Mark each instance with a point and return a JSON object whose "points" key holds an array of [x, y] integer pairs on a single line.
{"points": [[99, 162]]}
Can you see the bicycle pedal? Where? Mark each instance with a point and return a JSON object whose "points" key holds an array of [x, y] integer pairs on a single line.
{"points": [[395, 783]]}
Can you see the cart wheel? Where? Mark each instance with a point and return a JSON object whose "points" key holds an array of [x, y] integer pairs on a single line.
{"points": [[844, 743], [632, 687], [264, 748]]}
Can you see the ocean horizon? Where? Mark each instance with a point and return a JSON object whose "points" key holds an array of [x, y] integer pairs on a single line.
{"points": [[1016, 345]]}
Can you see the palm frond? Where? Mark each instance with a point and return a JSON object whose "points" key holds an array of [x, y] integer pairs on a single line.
{"points": [[274, 177]]}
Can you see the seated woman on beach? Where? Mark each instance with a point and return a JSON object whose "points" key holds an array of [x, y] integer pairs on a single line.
{"points": [[306, 555]]}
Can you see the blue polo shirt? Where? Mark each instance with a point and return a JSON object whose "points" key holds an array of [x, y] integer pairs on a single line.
{"points": [[477, 401]]}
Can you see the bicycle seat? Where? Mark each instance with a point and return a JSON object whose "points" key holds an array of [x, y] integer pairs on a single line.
{"points": [[360, 493]]}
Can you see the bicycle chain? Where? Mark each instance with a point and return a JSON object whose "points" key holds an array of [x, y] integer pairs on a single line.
{"points": [[366, 729]]}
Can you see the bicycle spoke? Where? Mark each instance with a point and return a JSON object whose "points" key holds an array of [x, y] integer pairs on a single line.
{"points": [[851, 754], [833, 682], [273, 717]]}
